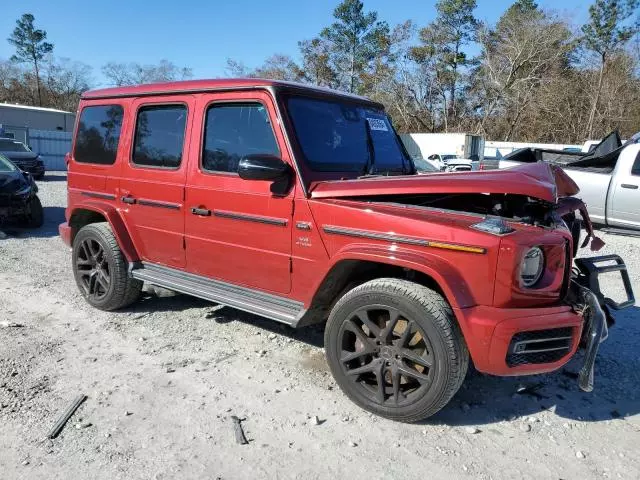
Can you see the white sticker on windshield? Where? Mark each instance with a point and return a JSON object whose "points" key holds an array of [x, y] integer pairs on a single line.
{"points": [[377, 124]]}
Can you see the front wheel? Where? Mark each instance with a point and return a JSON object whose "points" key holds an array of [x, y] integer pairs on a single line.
{"points": [[35, 218], [395, 349], [100, 269]]}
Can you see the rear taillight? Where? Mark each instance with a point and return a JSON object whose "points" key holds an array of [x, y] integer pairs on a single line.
{"points": [[481, 166]]}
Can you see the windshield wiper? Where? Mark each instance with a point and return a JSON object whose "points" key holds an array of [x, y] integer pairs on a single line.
{"points": [[370, 164]]}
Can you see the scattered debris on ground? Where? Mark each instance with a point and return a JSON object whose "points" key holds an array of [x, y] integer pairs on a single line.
{"points": [[64, 418], [6, 324], [239, 432]]}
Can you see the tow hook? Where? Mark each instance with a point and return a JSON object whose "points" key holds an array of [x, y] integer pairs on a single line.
{"points": [[598, 332]]}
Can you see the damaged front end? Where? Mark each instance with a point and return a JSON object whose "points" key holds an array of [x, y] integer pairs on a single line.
{"points": [[544, 303], [17, 192], [584, 294], [586, 298]]}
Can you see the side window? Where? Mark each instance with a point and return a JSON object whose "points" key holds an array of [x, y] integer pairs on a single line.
{"points": [[159, 136], [232, 131], [98, 134], [635, 169]]}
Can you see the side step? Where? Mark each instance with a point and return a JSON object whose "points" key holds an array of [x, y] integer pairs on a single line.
{"points": [[252, 301]]}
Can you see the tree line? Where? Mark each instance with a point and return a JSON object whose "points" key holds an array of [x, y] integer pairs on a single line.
{"points": [[533, 75]]}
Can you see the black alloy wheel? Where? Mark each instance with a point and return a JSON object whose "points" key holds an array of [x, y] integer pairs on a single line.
{"points": [[93, 269], [386, 355], [395, 349], [101, 269]]}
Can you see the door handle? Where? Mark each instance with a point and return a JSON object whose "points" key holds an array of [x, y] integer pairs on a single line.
{"points": [[628, 185], [203, 212], [128, 199]]}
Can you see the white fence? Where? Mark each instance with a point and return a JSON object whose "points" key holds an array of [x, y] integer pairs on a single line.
{"points": [[52, 146]]}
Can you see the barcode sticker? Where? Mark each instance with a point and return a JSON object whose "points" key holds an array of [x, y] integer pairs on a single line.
{"points": [[377, 124]]}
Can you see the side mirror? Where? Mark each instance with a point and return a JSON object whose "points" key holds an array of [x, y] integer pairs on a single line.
{"points": [[269, 168], [262, 167]]}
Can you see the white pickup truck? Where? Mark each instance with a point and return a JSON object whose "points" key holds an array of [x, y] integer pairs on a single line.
{"points": [[608, 177]]}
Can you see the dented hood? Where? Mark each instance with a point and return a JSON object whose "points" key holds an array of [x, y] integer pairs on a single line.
{"points": [[538, 180]]}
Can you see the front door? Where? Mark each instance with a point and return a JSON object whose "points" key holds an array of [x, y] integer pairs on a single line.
{"points": [[236, 230], [625, 197], [153, 179]]}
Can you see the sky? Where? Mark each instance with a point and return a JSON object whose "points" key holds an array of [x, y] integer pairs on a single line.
{"points": [[202, 34]]}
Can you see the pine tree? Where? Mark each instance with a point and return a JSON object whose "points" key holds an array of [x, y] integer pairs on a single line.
{"points": [[31, 46], [356, 38]]}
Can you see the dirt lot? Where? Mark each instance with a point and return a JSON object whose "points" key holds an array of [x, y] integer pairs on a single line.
{"points": [[164, 376]]}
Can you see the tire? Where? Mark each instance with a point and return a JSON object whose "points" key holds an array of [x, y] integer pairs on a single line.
{"points": [[101, 270], [35, 219], [431, 339], [39, 177]]}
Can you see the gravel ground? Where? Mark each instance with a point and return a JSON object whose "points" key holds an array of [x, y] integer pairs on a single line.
{"points": [[164, 376]]}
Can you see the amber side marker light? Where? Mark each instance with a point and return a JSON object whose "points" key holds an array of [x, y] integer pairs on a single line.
{"points": [[458, 248]]}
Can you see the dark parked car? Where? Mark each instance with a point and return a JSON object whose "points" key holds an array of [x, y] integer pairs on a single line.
{"points": [[22, 157], [19, 201]]}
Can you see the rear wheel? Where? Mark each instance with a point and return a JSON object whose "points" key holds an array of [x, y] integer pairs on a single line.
{"points": [[100, 269], [395, 349]]}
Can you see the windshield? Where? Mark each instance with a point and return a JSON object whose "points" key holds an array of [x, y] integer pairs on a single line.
{"points": [[7, 145], [6, 165], [448, 157], [334, 137], [423, 166]]}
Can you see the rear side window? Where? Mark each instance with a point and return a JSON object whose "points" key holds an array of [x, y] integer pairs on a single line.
{"points": [[233, 131], [160, 136], [635, 169], [98, 134]]}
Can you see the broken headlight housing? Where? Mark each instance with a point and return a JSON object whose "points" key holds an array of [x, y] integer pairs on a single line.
{"points": [[532, 267]]}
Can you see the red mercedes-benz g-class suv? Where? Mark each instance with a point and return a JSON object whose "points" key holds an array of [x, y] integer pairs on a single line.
{"points": [[301, 204]]}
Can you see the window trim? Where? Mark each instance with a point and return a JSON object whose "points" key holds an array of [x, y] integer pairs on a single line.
{"points": [[227, 102], [77, 129], [139, 107]]}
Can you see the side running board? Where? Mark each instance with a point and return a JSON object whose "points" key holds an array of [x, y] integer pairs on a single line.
{"points": [[245, 299]]}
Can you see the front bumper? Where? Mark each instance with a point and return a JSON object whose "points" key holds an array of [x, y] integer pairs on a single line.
{"points": [[489, 332], [13, 205], [524, 341]]}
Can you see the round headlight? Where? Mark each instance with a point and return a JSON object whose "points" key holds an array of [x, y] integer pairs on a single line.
{"points": [[532, 267]]}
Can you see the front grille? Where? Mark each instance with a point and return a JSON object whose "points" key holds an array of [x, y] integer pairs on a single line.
{"points": [[539, 346]]}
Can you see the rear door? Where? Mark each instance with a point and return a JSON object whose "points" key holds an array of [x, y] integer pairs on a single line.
{"points": [[153, 178], [239, 231], [624, 210]]}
